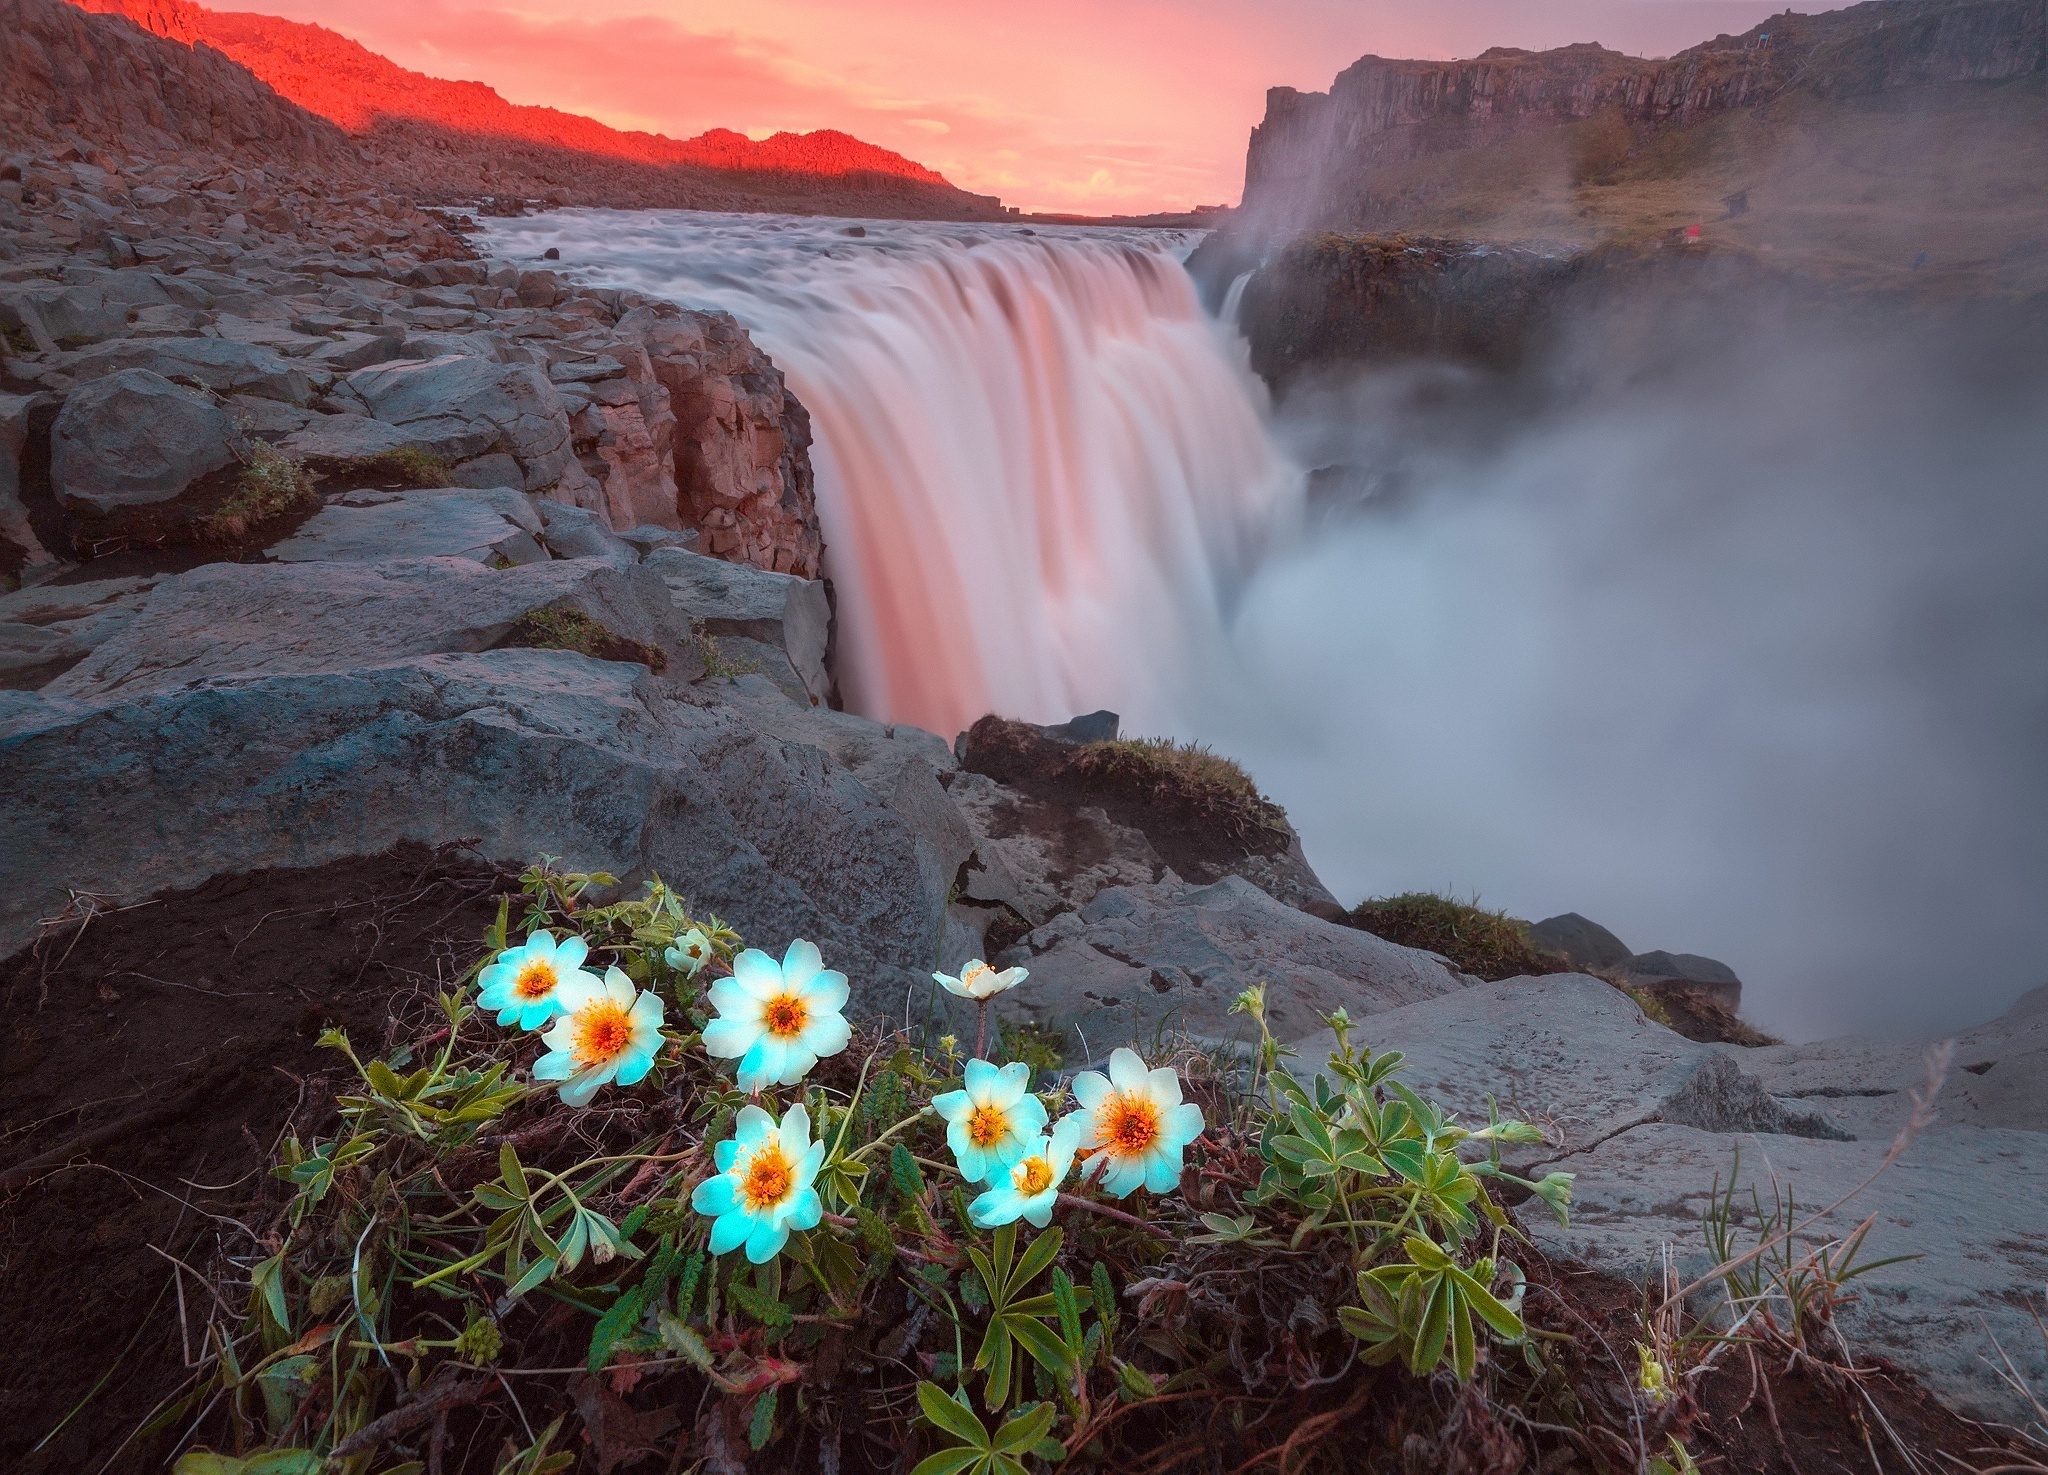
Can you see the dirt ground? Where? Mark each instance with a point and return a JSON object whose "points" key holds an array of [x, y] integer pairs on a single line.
{"points": [[148, 1061]]}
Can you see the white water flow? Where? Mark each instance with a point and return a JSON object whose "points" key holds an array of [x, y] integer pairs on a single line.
{"points": [[1041, 470]]}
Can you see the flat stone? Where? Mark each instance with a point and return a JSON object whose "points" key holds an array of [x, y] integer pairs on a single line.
{"points": [[577, 532], [214, 364], [131, 439], [338, 442], [1141, 964], [520, 752], [1972, 1204], [737, 599], [467, 407], [227, 620], [484, 525]]}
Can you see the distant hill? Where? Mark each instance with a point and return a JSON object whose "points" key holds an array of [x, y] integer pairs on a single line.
{"points": [[461, 140]]}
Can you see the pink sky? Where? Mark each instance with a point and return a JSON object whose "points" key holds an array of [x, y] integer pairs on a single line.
{"points": [[1099, 106]]}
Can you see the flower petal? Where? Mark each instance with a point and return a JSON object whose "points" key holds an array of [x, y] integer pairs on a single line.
{"points": [[1127, 1070], [1162, 1171], [765, 1241], [757, 973], [619, 988], [1091, 1089], [826, 1034], [1182, 1124], [954, 1106], [557, 1065], [633, 1067], [716, 1195], [806, 1211], [732, 1000], [801, 962], [828, 990], [1038, 1209], [981, 1079], [1013, 1080], [1165, 1085], [730, 1232], [577, 1090], [1027, 1117], [729, 1039], [997, 1207], [752, 1123], [570, 953]]}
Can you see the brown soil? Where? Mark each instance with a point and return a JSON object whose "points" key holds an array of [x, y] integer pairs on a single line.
{"points": [[150, 1057]]}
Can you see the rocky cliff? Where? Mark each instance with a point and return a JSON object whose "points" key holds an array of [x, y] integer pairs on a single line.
{"points": [[1316, 156]]}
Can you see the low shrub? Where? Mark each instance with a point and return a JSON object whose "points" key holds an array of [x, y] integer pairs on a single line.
{"points": [[1487, 944], [271, 487]]}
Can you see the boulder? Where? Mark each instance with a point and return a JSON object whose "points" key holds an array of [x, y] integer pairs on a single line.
{"points": [[1970, 1204], [1571, 1054], [1581, 942], [486, 525], [133, 439], [228, 620], [19, 546], [1038, 859], [519, 752], [352, 351], [218, 365], [464, 407], [577, 532], [1144, 963], [1687, 971], [787, 619]]}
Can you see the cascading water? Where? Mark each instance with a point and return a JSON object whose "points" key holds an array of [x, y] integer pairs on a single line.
{"points": [[1040, 470]]}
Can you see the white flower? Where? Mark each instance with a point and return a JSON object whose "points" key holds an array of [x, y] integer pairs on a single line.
{"points": [[992, 1122], [609, 1032], [763, 1186], [1135, 1122], [979, 982], [689, 953], [777, 1019], [524, 985], [1031, 1184]]}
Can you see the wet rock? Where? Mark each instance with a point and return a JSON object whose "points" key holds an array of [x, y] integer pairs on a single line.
{"points": [[1145, 963], [226, 620], [464, 407], [492, 525], [134, 439], [520, 752], [789, 619]]}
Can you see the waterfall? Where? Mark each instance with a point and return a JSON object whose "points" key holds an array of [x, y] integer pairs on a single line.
{"points": [[1042, 471]]}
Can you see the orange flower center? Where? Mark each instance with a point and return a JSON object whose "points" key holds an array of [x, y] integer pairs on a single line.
{"points": [[786, 1015], [536, 980], [971, 979], [1128, 1124], [603, 1031], [768, 1179], [1033, 1175], [987, 1125]]}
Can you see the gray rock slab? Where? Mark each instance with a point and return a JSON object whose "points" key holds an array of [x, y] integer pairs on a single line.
{"points": [[741, 600], [1041, 859], [1998, 1076], [484, 524], [468, 407], [330, 443], [522, 752], [1972, 1204], [1142, 963], [215, 364], [226, 620], [1569, 1053], [133, 438], [48, 628]]}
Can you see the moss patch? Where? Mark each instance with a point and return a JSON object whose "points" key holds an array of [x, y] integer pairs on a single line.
{"points": [[1490, 945], [407, 466], [571, 629]]}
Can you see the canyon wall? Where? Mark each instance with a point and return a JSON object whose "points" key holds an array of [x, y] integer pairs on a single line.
{"points": [[1315, 157]]}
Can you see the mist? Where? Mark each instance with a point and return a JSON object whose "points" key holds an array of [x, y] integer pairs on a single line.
{"points": [[1737, 644]]}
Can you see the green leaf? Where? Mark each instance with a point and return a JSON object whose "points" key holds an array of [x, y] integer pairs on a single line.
{"points": [[1036, 1258], [618, 1322], [686, 1283], [759, 1305], [1137, 1383], [1037, 1338], [1025, 1427], [948, 1461], [684, 1342], [762, 1427], [267, 1279], [904, 1171], [952, 1415]]}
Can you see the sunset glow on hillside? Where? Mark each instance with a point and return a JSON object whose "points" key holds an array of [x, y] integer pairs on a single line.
{"points": [[1059, 105]]}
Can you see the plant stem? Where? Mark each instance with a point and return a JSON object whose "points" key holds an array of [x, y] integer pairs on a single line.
{"points": [[981, 1034], [1072, 1202]]}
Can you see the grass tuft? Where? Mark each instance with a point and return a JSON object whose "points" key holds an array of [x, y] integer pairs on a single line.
{"points": [[1488, 944], [573, 630], [408, 465], [272, 485]]}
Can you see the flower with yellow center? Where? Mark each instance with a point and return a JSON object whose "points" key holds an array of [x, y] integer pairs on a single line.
{"points": [[1135, 1123], [979, 982], [1029, 1187], [609, 1031], [777, 1019], [524, 984], [762, 1189], [689, 953], [992, 1121]]}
